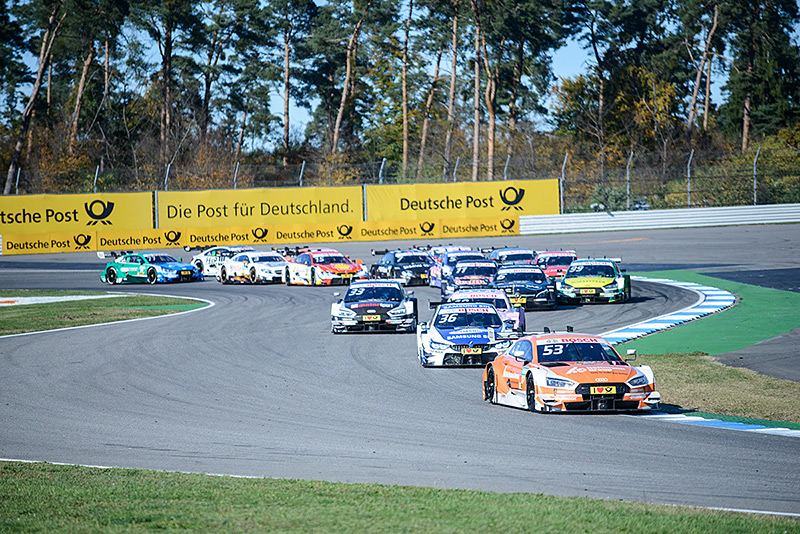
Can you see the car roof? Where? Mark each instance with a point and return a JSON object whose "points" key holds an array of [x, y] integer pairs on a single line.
{"points": [[478, 293], [557, 253], [564, 337], [376, 283], [467, 306], [519, 268]]}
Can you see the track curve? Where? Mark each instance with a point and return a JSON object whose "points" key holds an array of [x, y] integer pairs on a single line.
{"points": [[257, 386]]}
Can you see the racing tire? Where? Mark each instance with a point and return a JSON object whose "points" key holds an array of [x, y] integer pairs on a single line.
{"points": [[530, 394], [313, 277], [490, 386], [223, 276], [287, 277], [111, 276], [152, 278], [253, 277], [199, 265]]}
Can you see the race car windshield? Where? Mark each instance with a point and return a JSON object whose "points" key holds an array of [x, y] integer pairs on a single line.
{"points": [[328, 260], [267, 259], [160, 258], [520, 277], [460, 319], [605, 271], [481, 270], [499, 304], [406, 259], [517, 256], [576, 352], [357, 294], [555, 261], [452, 260]]}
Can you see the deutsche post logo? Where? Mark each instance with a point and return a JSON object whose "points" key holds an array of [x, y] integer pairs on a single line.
{"points": [[344, 231], [105, 209], [172, 236], [508, 225], [509, 200], [426, 227], [82, 241], [260, 234]]}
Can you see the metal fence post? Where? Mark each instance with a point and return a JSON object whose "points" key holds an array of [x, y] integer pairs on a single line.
{"points": [[235, 175], [302, 171], [755, 183], [628, 183], [380, 172], [96, 172], [166, 178], [455, 169], [17, 184], [561, 182], [505, 170], [689, 181]]}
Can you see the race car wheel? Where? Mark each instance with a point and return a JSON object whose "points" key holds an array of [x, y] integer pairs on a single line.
{"points": [[199, 265], [223, 275], [489, 387], [253, 277], [287, 277], [151, 275], [530, 393], [111, 276], [313, 277]]}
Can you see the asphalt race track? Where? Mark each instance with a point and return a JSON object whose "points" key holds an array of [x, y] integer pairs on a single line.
{"points": [[258, 386]]}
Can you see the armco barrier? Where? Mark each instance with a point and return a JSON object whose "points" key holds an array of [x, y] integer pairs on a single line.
{"points": [[652, 219]]}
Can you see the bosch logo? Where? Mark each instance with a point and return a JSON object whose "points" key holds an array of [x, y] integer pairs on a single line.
{"points": [[82, 241], [172, 236], [426, 227], [509, 200], [105, 209], [260, 234]]}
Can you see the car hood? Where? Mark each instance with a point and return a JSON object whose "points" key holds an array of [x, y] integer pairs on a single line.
{"points": [[175, 266], [593, 372], [414, 267], [468, 335], [339, 268], [588, 281], [525, 287], [472, 280], [372, 307]]}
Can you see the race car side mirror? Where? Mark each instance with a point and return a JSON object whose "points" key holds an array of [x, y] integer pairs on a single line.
{"points": [[410, 292], [336, 293], [632, 355]]}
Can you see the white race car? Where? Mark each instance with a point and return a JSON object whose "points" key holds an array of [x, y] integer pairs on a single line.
{"points": [[210, 259], [254, 266], [374, 305], [498, 299], [463, 333]]}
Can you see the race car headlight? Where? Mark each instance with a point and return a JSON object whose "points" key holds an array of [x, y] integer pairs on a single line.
{"points": [[435, 345], [640, 380], [503, 345], [559, 383], [400, 311], [345, 313]]}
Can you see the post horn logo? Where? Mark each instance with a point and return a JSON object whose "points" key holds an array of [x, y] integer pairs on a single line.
{"points": [[82, 241], [426, 227], [260, 234], [508, 225], [505, 195], [105, 210], [344, 231], [172, 236]]}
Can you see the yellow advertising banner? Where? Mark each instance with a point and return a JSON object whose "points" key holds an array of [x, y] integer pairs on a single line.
{"points": [[259, 207], [462, 200], [40, 214], [48, 243]]}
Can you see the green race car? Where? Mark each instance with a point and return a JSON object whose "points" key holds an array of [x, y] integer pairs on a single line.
{"points": [[588, 281], [147, 267]]}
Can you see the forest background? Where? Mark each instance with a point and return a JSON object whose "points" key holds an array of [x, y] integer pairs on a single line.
{"points": [[400, 92]]}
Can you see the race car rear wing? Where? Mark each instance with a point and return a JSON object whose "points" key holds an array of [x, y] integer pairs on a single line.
{"points": [[187, 248], [112, 253]]}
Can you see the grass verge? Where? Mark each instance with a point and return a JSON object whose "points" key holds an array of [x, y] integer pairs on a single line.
{"points": [[47, 316], [698, 383], [53, 498]]}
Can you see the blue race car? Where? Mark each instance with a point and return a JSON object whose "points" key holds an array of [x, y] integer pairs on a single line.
{"points": [[463, 334]]}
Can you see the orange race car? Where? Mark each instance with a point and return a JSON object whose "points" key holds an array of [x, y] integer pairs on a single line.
{"points": [[564, 371]]}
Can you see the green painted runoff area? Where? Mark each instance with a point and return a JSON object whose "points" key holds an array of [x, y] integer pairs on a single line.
{"points": [[762, 313]]}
